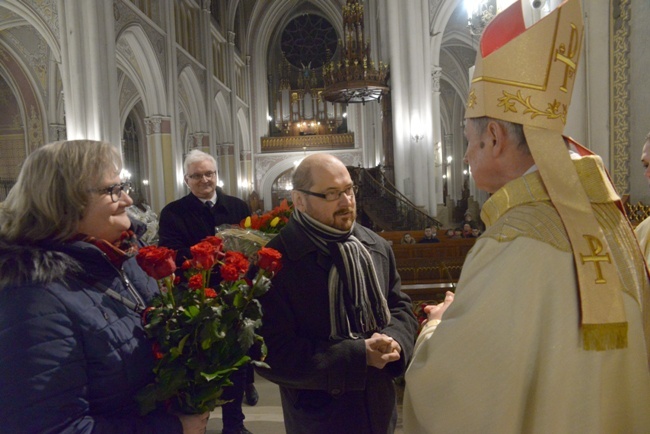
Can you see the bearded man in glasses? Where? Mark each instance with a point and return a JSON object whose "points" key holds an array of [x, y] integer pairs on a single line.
{"points": [[337, 327], [185, 222]]}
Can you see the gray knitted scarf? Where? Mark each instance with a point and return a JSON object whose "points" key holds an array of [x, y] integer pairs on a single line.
{"points": [[357, 305]]}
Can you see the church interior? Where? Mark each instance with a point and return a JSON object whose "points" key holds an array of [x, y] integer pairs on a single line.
{"points": [[260, 84]]}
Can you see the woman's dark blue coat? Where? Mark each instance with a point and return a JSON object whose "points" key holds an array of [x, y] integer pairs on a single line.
{"points": [[72, 358]]}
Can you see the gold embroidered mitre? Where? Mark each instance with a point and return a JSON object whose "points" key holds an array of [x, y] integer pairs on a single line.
{"points": [[526, 76]]}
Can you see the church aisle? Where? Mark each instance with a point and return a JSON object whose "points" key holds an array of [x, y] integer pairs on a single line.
{"points": [[266, 416]]}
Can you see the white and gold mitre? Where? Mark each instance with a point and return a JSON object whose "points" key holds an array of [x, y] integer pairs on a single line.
{"points": [[525, 75]]}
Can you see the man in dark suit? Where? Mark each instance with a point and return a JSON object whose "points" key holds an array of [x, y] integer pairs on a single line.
{"points": [[188, 220], [185, 222]]}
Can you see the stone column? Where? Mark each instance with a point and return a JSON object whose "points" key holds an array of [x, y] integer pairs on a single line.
{"points": [[409, 45], [160, 162], [230, 164], [206, 44], [436, 194], [89, 71]]}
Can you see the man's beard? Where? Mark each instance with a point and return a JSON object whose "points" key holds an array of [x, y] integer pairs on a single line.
{"points": [[345, 225]]}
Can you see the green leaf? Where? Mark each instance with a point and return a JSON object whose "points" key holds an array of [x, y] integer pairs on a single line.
{"points": [[191, 311], [247, 334]]}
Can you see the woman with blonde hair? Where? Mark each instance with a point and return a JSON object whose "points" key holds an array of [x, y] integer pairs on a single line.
{"points": [[74, 353]]}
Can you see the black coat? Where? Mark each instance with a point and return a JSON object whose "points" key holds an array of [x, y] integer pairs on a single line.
{"points": [[326, 386], [186, 221]]}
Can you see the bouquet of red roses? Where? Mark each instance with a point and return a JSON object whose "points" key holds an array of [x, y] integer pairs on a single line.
{"points": [[201, 334]]}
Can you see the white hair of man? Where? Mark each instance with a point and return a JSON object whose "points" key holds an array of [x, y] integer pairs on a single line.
{"points": [[195, 156]]}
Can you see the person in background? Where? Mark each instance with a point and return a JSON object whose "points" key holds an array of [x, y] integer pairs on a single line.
{"points": [[468, 231], [430, 236], [185, 222], [547, 331], [643, 229], [407, 239], [337, 326], [469, 219], [72, 348]]}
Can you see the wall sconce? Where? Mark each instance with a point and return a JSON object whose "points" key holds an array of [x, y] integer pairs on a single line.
{"points": [[417, 138], [125, 174]]}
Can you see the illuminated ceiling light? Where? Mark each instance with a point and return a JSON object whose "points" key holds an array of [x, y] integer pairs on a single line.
{"points": [[125, 174]]}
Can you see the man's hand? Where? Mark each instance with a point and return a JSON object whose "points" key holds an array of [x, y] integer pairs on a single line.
{"points": [[435, 311], [381, 349]]}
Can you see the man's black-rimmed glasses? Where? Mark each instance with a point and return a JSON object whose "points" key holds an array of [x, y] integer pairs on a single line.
{"points": [[332, 195]]}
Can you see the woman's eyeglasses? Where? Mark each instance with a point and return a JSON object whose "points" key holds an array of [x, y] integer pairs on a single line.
{"points": [[116, 190]]}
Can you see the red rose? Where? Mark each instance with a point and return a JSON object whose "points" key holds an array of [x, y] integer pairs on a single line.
{"points": [[237, 260], [210, 293], [196, 281], [186, 264], [157, 262], [269, 260], [229, 272], [204, 255], [155, 347], [215, 241]]}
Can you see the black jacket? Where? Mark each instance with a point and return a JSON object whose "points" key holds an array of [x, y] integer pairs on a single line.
{"points": [[326, 386], [186, 221]]}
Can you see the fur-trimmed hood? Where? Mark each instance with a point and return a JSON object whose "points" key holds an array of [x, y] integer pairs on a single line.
{"points": [[23, 264], [31, 264]]}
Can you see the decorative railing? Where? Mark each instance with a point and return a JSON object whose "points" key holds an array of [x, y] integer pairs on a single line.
{"points": [[308, 143], [388, 208], [637, 213]]}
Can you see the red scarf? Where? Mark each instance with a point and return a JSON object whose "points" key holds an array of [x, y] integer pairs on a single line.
{"points": [[124, 248]]}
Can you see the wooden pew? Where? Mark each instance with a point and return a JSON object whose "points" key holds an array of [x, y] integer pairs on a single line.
{"points": [[428, 270]]}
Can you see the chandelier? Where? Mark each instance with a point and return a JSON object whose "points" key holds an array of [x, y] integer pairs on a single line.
{"points": [[479, 14], [353, 78]]}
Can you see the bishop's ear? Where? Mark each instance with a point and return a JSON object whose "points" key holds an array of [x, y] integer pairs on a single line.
{"points": [[497, 136]]}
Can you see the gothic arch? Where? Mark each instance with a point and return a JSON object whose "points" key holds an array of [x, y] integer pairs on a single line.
{"points": [[244, 133], [128, 98], [137, 58], [265, 19], [223, 133], [266, 183], [25, 90], [439, 23], [38, 23], [191, 95]]}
